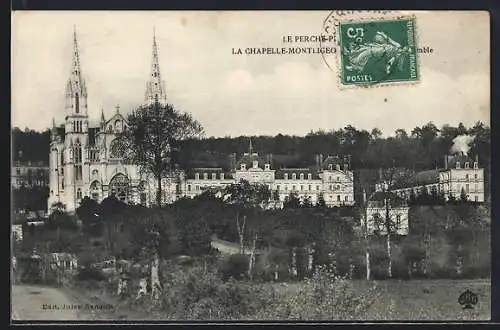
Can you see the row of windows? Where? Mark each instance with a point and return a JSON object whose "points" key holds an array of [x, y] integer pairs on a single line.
{"points": [[310, 188], [255, 164], [467, 176], [301, 176], [213, 176], [78, 126], [476, 165]]}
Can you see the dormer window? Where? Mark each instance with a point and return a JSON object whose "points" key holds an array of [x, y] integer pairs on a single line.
{"points": [[197, 176], [214, 176], [255, 164], [302, 176], [267, 167], [467, 165], [222, 176], [458, 165], [330, 167], [309, 176], [205, 176], [243, 167], [285, 176], [337, 167], [294, 176], [476, 165]]}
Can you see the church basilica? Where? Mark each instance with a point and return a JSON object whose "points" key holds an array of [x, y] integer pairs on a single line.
{"points": [[82, 164]]}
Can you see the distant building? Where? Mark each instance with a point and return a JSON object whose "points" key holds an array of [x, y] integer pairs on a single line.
{"points": [[29, 174], [331, 178], [461, 174], [376, 213]]}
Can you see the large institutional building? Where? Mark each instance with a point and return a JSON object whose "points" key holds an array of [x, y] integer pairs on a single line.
{"points": [[461, 175], [82, 164]]}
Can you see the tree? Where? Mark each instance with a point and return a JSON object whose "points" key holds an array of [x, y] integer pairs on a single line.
{"points": [[153, 136], [292, 201], [321, 201], [245, 195], [376, 133], [87, 211]]}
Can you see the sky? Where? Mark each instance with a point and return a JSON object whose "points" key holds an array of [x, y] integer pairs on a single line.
{"points": [[233, 95]]}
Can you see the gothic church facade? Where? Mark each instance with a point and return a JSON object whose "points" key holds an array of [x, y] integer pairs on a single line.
{"points": [[81, 161]]}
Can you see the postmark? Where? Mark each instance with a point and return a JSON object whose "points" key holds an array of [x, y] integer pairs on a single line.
{"points": [[374, 48]]}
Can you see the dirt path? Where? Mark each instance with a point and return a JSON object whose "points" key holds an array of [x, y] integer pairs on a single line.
{"points": [[30, 302]]}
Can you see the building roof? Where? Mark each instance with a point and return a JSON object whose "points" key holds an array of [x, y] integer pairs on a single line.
{"points": [[248, 160], [377, 199], [334, 160], [460, 158], [418, 179]]}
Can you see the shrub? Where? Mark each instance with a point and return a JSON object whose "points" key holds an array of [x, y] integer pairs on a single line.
{"points": [[90, 274], [324, 296], [234, 266], [197, 294]]}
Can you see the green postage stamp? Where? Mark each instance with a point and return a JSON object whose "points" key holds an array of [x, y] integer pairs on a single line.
{"points": [[378, 51]]}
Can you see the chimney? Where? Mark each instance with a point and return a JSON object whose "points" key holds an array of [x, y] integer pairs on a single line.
{"points": [[321, 160], [477, 158], [445, 162], [380, 176]]}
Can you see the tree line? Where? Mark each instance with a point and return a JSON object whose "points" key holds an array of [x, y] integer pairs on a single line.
{"points": [[422, 148]]}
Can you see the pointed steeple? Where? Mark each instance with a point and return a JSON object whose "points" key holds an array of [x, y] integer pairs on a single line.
{"points": [[103, 120], [155, 87], [76, 89]]}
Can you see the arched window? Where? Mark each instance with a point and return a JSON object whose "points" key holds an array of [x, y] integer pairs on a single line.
{"points": [[79, 194], [119, 187], [114, 151], [95, 190], [77, 103], [118, 125]]}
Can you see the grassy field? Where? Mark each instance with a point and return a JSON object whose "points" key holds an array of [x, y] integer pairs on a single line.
{"points": [[416, 300], [435, 300], [430, 300]]}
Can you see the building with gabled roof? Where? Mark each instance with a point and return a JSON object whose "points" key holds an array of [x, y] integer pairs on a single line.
{"points": [[461, 175]]}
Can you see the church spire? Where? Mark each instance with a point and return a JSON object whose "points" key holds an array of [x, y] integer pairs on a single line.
{"points": [[155, 88], [76, 75], [76, 90], [250, 148]]}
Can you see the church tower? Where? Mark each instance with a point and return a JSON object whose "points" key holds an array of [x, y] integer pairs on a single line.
{"points": [[76, 130], [155, 87]]}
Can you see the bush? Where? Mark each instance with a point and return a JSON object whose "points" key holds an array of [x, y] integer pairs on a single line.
{"points": [[90, 274], [197, 294], [235, 266], [324, 296]]}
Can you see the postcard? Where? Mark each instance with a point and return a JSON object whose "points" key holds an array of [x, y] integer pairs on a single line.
{"points": [[251, 166]]}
